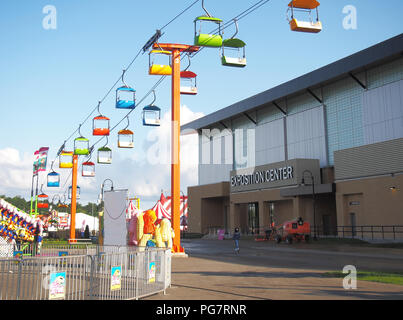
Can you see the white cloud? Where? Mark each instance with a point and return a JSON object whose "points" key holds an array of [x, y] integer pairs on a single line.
{"points": [[140, 173], [16, 172], [146, 176]]}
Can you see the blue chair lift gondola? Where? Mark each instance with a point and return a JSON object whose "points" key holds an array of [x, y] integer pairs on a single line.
{"points": [[152, 114], [78, 192], [125, 96], [237, 45], [53, 179]]}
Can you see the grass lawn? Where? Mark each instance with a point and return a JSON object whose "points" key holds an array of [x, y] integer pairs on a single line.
{"points": [[382, 277]]}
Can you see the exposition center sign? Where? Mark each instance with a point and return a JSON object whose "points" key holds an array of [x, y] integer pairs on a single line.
{"points": [[281, 174]]}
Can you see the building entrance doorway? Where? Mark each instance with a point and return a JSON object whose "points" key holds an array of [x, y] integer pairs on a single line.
{"points": [[253, 218]]}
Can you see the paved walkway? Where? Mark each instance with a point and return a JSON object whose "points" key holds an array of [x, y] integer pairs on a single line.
{"points": [[265, 270]]}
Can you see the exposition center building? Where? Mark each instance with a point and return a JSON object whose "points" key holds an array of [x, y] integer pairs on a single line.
{"points": [[339, 128]]}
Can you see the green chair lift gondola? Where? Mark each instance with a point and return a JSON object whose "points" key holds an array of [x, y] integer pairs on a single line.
{"points": [[81, 145], [207, 39], [105, 154], [234, 44]]}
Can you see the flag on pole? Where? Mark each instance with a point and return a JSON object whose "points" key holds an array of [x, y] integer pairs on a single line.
{"points": [[40, 159]]}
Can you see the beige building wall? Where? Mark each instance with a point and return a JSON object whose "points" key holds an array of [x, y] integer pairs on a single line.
{"points": [[374, 201]]}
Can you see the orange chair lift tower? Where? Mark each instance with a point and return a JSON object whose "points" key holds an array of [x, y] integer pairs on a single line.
{"points": [[176, 50]]}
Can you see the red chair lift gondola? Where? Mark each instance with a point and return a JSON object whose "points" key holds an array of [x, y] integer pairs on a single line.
{"points": [[304, 6], [43, 200], [100, 124], [88, 169], [188, 81]]}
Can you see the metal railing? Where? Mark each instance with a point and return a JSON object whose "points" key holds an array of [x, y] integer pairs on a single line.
{"points": [[110, 273], [385, 233], [369, 232]]}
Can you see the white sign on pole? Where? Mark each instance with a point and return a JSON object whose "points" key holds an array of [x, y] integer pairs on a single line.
{"points": [[115, 230]]}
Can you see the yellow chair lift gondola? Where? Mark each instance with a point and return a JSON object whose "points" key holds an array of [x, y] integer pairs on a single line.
{"points": [[66, 160], [126, 137], [188, 84], [234, 44], [304, 6], [159, 69], [202, 39]]}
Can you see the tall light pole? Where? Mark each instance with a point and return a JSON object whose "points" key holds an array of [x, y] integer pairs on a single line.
{"points": [[313, 199]]}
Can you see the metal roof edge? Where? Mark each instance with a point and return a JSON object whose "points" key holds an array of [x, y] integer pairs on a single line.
{"points": [[378, 53]]}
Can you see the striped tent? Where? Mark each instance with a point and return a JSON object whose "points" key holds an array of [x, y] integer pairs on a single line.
{"points": [[163, 209]]}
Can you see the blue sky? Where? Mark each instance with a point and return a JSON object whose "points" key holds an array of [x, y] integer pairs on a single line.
{"points": [[52, 79]]}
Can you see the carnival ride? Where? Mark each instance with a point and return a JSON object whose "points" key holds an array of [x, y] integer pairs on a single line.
{"points": [[183, 83]]}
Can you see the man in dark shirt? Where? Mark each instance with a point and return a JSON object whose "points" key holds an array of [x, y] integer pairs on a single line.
{"points": [[236, 237]]}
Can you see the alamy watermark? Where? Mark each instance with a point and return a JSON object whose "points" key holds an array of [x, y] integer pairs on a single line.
{"points": [[350, 21], [49, 22], [350, 281]]}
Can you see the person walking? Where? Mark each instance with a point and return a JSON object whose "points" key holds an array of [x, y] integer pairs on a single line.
{"points": [[236, 236]]}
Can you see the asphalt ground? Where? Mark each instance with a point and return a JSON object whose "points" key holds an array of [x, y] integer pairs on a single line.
{"points": [[269, 271]]}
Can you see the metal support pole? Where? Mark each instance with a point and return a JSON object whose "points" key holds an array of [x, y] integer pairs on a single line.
{"points": [[176, 50], [314, 208], [36, 195], [175, 147], [73, 200]]}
